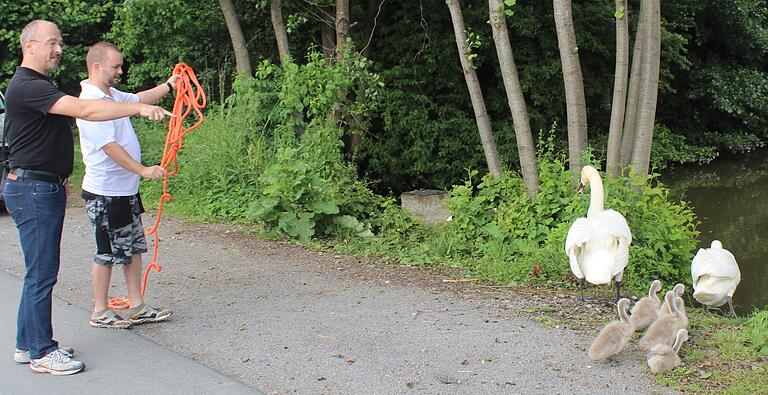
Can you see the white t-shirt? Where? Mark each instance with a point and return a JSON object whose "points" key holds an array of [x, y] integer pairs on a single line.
{"points": [[102, 175]]}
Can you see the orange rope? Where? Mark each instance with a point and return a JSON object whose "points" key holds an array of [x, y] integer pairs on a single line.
{"points": [[189, 96]]}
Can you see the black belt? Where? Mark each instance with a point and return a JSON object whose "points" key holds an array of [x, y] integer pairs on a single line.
{"points": [[39, 175]]}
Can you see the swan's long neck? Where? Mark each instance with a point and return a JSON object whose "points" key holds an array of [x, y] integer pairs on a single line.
{"points": [[596, 194], [669, 297], [682, 336], [655, 288], [623, 308]]}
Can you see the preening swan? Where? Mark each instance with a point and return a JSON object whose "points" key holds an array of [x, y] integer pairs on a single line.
{"points": [[598, 245], [679, 290], [664, 329], [715, 276], [663, 358], [646, 310], [614, 336]]}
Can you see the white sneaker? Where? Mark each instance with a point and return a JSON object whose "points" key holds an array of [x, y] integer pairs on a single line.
{"points": [[22, 356], [57, 363]]}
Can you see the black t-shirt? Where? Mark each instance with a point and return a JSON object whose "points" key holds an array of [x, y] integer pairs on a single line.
{"points": [[37, 140]]}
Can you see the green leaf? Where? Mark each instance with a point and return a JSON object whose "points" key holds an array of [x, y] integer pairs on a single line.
{"points": [[301, 227], [349, 221], [619, 14]]}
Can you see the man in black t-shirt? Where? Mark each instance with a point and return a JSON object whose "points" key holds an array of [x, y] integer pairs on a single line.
{"points": [[41, 157]]}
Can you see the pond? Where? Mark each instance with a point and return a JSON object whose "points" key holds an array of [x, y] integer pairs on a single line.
{"points": [[730, 198]]}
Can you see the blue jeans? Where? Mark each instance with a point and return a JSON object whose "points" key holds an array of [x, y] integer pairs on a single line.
{"points": [[37, 208]]}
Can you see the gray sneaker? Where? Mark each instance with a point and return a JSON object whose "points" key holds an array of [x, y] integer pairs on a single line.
{"points": [[108, 319], [57, 363], [22, 356], [142, 314]]}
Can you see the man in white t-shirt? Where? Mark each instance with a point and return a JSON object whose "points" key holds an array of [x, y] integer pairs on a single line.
{"points": [[113, 168]]}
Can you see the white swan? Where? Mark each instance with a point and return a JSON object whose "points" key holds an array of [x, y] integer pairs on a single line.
{"points": [[614, 336], [598, 245], [646, 310], [715, 276]]}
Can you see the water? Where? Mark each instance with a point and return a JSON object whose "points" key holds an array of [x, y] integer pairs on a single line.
{"points": [[730, 197]]}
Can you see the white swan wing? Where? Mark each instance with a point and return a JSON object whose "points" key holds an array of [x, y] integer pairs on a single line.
{"points": [[616, 226], [717, 263], [578, 235]]}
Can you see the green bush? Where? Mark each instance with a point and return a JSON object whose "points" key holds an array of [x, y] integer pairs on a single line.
{"points": [[496, 233], [274, 154]]}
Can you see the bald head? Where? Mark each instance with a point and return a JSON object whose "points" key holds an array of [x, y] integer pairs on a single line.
{"points": [[30, 31], [99, 52], [41, 46]]}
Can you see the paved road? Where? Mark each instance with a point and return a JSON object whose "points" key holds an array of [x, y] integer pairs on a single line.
{"points": [[117, 362], [282, 319]]}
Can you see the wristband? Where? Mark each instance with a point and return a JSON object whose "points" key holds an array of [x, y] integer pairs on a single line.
{"points": [[170, 87]]}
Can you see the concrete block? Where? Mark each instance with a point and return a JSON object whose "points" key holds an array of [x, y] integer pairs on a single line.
{"points": [[426, 206]]}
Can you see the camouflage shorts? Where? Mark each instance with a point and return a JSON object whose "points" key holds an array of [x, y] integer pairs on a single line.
{"points": [[119, 231]]}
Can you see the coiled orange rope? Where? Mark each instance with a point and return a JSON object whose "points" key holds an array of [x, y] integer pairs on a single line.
{"points": [[189, 96]]}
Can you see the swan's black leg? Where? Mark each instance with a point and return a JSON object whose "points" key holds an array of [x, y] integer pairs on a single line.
{"points": [[618, 291], [581, 292]]}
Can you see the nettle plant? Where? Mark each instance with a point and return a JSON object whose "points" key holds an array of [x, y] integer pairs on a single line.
{"points": [[301, 113]]}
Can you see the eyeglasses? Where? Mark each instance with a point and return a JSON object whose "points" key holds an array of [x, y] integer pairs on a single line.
{"points": [[51, 43]]}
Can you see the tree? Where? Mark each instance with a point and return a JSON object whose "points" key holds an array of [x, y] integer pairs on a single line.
{"points": [[242, 59], [618, 107], [342, 27], [576, 106], [276, 13], [633, 95], [476, 95], [525, 148], [649, 87]]}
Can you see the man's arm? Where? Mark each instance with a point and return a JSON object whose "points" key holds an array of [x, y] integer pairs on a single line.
{"points": [[105, 110], [120, 156], [151, 96]]}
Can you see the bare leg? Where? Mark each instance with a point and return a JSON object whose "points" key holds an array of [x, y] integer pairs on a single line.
{"points": [[732, 313], [618, 291], [100, 275], [581, 292], [132, 274]]}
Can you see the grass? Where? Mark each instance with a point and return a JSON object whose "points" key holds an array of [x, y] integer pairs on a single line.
{"points": [[723, 355]]}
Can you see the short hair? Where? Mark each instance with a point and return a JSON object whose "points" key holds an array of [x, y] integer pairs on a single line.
{"points": [[30, 30], [98, 53]]}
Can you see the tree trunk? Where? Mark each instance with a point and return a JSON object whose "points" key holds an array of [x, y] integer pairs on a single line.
{"points": [[649, 89], [525, 147], [276, 12], [329, 46], [630, 116], [242, 60], [342, 28], [473, 85], [618, 106], [576, 107]]}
